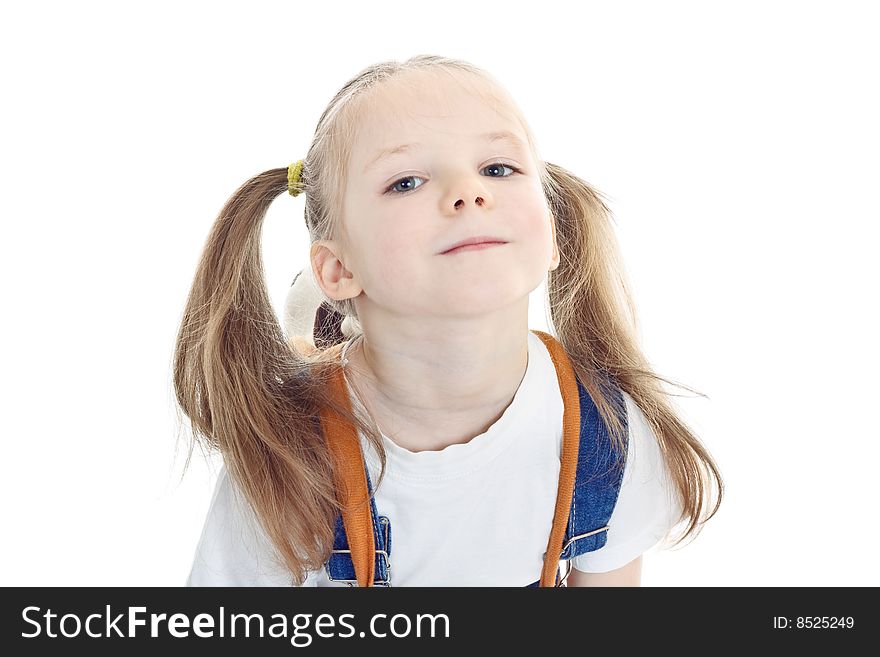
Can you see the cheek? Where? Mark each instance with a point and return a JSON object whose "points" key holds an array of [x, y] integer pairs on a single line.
{"points": [[535, 227], [395, 247]]}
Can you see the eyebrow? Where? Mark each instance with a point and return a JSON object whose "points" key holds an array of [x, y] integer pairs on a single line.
{"points": [[492, 137]]}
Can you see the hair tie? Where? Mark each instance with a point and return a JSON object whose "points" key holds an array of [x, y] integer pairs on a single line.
{"points": [[294, 185]]}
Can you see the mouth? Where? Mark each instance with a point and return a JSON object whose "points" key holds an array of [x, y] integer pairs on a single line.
{"points": [[474, 244], [473, 247]]}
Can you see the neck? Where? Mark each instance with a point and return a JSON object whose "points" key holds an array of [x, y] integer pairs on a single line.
{"points": [[429, 390]]}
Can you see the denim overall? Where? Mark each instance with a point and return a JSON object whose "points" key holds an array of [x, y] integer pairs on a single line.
{"points": [[596, 487]]}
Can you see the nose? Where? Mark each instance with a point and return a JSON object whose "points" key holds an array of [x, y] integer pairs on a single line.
{"points": [[463, 192], [478, 193], [479, 201]]}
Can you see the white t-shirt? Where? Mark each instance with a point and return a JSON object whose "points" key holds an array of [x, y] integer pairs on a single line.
{"points": [[472, 514]]}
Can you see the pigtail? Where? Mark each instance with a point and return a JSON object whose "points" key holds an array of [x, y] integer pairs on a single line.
{"points": [[251, 396], [595, 319]]}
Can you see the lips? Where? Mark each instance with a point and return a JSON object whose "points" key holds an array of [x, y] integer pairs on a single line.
{"points": [[479, 239]]}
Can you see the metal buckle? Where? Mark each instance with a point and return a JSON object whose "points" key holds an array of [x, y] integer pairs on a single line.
{"points": [[353, 582], [574, 538]]}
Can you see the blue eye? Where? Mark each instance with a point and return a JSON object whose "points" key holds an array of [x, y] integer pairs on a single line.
{"points": [[494, 165]]}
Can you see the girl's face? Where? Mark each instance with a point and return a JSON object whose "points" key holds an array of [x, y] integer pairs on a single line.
{"points": [[467, 172]]}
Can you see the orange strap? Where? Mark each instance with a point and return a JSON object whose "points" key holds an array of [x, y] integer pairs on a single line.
{"points": [[571, 432], [351, 477], [351, 482]]}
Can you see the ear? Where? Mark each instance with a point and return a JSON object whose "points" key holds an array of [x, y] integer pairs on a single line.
{"points": [[554, 263], [330, 273]]}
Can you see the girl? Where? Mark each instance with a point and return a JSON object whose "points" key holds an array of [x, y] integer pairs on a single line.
{"points": [[432, 217]]}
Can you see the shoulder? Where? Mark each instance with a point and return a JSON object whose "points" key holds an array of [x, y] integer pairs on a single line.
{"points": [[644, 459], [647, 506], [233, 550]]}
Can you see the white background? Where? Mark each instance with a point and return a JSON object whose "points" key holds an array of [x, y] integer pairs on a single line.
{"points": [[738, 145]]}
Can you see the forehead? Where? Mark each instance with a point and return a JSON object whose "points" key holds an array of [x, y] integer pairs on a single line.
{"points": [[424, 107]]}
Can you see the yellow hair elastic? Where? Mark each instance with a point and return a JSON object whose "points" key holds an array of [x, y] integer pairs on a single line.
{"points": [[294, 186]]}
